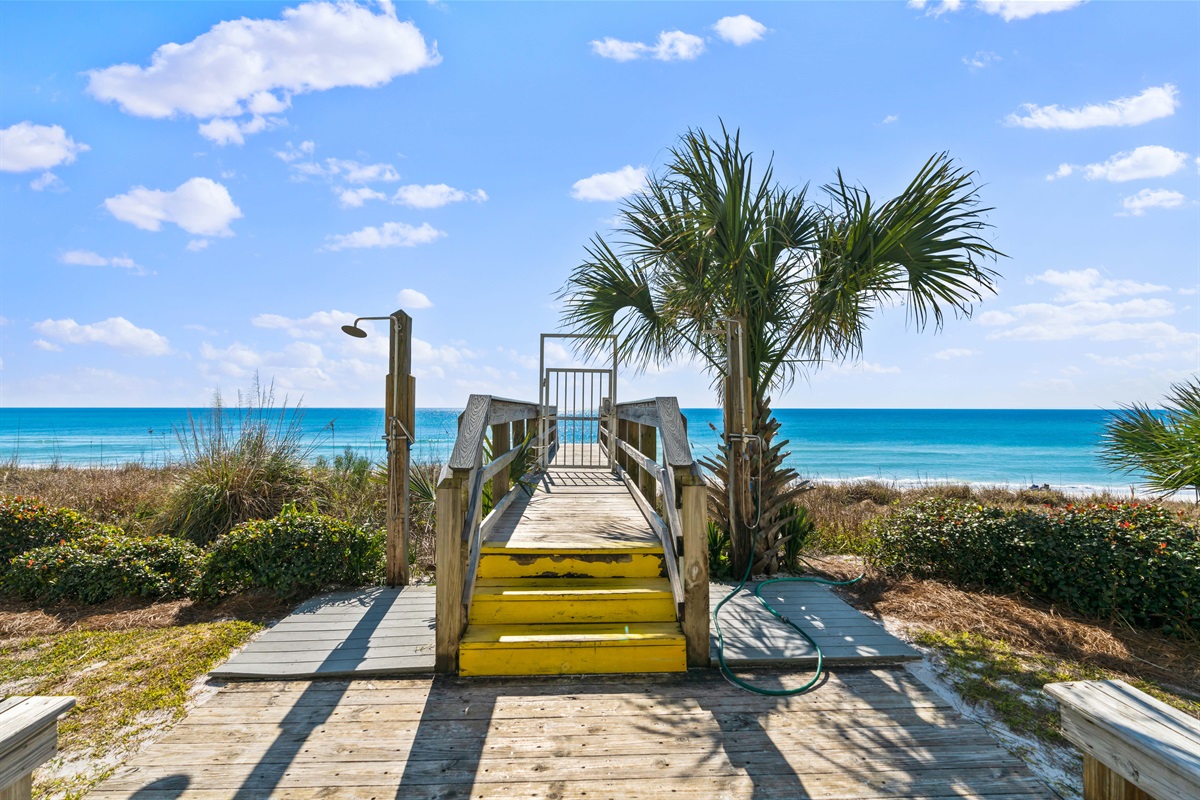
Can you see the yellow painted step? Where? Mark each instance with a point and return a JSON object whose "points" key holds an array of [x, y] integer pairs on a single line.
{"points": [[499, 601], [510, 562], [572, 649]]}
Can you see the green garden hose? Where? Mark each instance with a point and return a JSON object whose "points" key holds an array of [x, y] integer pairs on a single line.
{"points": [[728, 673]]}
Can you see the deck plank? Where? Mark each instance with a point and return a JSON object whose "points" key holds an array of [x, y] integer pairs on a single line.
{"points": [[752, 636], [573, 508], [862, 734]]}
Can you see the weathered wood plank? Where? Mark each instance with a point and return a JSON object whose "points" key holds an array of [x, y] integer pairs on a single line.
{"points": [[1152, 746]]}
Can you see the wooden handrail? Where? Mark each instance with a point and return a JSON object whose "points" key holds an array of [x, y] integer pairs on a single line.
{"points": [[460, 526], [680, 483]]}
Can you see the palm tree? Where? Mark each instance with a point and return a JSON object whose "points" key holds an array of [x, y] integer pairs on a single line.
{"points": [[1163, 446], [709, 243]]}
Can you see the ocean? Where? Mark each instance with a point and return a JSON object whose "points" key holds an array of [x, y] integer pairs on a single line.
{"points": [[903, 446]]}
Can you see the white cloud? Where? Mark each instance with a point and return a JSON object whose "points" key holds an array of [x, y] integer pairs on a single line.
{"points": [[1099, 321], [434, 195], [1153, 103], [1081, 311], [1083, 285], [1152, 198], [890, 118], [256, 66], [935, 9], [740, 30], [25, 147], [954, 352], [224, 131], [200, 206], [389, 234], [1063, 171], [981, 59], [116, 332], [317, 325], [1135, 360], [49, 347], [606, 186], [47, 180], [858, 368], [412, 299], [1148, 161], [354, 198], [619, 50], [196, 245], [296, 152], [87, 258], [1024, 9], [671, 46], [348, 170], [1008, 9]]}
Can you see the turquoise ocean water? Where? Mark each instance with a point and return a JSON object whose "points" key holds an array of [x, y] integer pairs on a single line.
{"points": [[909, 446]]}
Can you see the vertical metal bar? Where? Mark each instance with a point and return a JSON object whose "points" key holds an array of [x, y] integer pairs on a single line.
{"points": [[543, 397]]}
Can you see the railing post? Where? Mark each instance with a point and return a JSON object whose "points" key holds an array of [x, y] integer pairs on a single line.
{"points": [[450, 564], [502, 479], [694, 517], [648, 445], [518, 436]]}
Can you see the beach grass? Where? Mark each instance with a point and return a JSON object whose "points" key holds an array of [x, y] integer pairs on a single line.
{"points": [[134, 667]]}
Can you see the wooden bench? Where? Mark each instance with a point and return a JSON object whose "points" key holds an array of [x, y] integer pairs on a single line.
{"points": [[28, 739], [1134, 747]]}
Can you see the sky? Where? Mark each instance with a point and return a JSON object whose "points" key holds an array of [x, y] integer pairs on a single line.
{"points": [[193, 193]]}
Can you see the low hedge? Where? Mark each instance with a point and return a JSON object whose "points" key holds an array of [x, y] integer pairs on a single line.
{"points": [[104, 564], [293, 553], [27, 522], [1131, 561]]}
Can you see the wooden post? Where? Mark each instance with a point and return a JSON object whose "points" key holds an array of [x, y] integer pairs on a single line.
{"points": [[502, 479], [1102, 783], [451, 563], [647, 443], [399, 419], [737, 422], [694, 517]]}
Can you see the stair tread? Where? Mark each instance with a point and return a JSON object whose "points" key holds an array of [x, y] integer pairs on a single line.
{"points": [[496, 549], [550, 588], [568, 634]]}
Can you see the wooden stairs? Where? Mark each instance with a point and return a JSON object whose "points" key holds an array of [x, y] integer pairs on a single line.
{"points": [[572, 611]]}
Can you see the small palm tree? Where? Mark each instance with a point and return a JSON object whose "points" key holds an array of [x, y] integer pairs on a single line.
{"points": [[710, 241], [1163, 446]]}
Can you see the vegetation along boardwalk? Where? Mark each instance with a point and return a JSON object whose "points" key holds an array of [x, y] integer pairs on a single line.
{"points": [[862, 734]]}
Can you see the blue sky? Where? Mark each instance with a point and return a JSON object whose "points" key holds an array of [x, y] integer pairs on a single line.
{"points": [[190, 192]]}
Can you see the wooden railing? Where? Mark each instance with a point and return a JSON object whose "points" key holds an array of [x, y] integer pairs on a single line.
{"points": [[461, 526], [674, 499]]}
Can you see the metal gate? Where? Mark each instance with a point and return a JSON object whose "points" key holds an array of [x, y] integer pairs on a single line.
{"points": [[573, 399]]}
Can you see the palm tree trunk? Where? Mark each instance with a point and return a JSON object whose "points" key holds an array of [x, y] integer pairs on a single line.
{"points": [[764, 495]]}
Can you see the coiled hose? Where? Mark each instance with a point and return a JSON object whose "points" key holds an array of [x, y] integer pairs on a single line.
{"points": [[728, 673]]}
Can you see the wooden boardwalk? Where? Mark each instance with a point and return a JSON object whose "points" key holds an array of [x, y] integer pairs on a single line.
{"points": [[862, 734], [389, 632], [347, 634], [573, 508]]}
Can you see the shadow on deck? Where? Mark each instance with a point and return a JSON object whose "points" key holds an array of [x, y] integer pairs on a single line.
{"points": [[862, 734]]}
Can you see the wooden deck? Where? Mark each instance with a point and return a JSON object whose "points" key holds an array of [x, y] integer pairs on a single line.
{"points": [[390, 632], [846, 636], [348, 634], [862, 734], [573, 508]]}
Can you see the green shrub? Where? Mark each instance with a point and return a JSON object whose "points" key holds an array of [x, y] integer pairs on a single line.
{"points": [[26, 523], [104, 564], [291, 554], [796, 534], [1130, 561], [244, 464]]}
